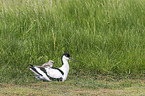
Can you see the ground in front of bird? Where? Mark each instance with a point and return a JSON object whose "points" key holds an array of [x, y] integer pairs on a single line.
{"points": [[76, 87]]}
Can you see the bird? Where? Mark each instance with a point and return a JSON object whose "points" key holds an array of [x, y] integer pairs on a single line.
{"points": [[53, 73], [48, 64]]}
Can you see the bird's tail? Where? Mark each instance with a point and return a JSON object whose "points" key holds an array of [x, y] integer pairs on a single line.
{"points": [[31, 66]]}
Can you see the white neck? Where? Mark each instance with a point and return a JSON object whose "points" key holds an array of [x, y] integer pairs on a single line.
{"points": [[65, 67]]}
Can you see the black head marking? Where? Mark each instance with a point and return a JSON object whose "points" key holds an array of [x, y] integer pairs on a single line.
{"points": [[66, 54]]}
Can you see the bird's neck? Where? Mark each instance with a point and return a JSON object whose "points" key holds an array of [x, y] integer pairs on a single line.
{"points": [[65, 68], [65, 64]]}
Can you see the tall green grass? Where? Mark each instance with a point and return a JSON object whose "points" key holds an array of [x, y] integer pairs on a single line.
{"points": [[106, 36]]}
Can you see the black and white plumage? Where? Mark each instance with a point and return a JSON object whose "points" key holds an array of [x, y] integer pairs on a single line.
{"points": [[53, 73]]}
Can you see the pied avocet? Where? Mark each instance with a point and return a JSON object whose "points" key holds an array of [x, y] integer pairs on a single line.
{"points": [[48, 64], [53, 73]]}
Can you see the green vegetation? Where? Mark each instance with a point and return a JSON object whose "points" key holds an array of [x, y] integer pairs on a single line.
{"points": [[106, 36], [83, 87]]}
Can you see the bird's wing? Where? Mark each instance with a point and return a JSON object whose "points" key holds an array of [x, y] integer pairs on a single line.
{"points": [[54, 72], [50, 74]]}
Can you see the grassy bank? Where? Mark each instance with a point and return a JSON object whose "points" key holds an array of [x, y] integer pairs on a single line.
{"points": [[106, 36], [83, 87]]}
